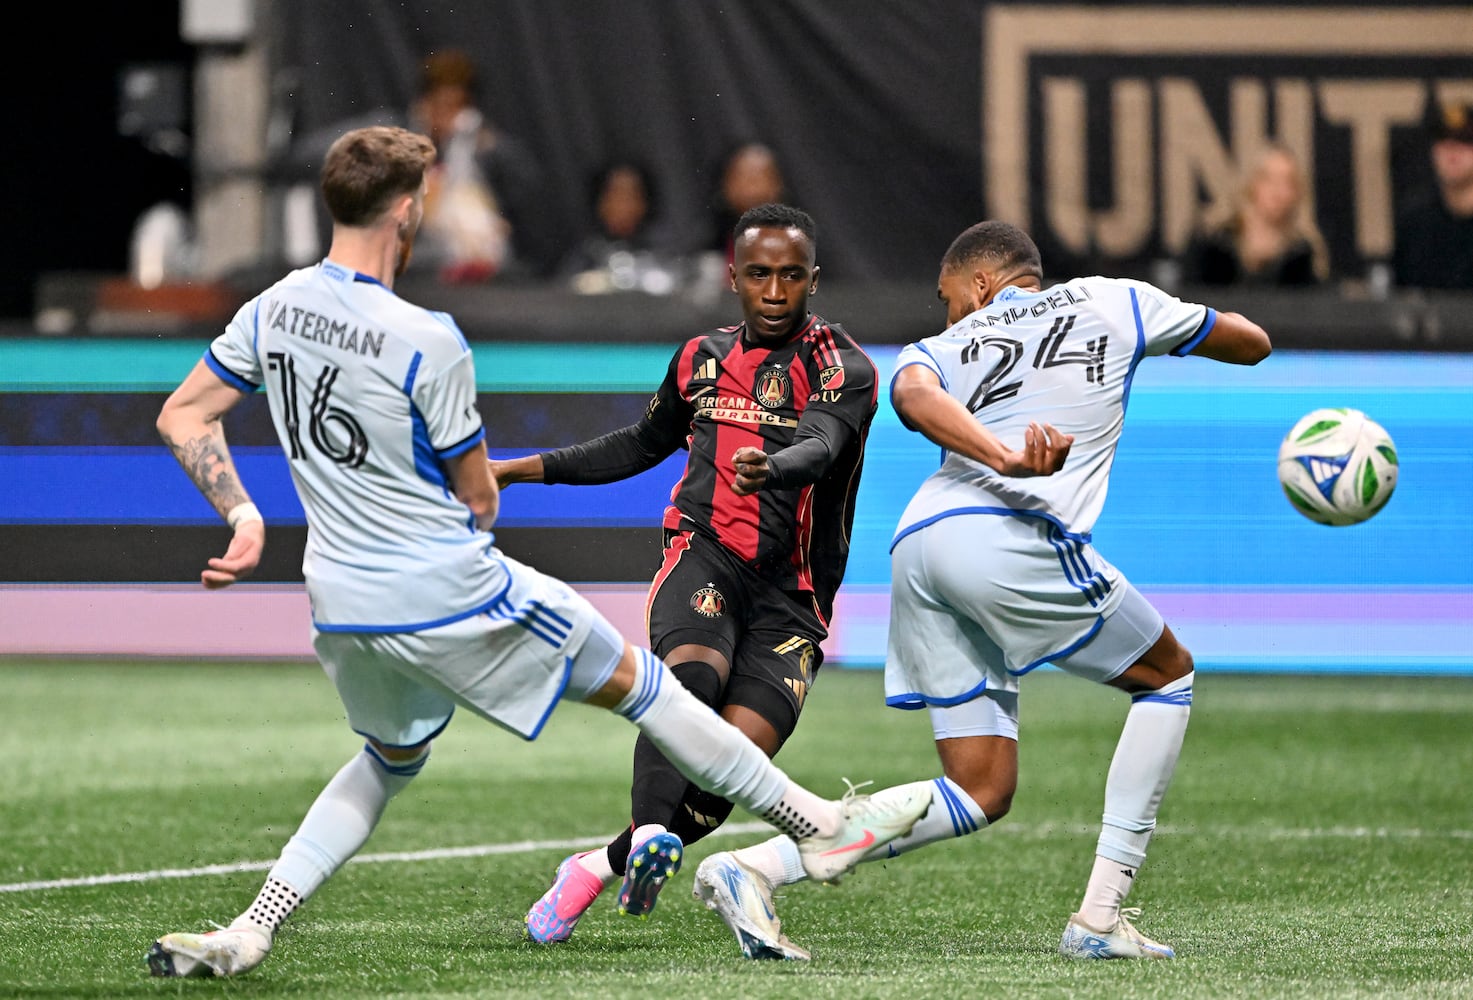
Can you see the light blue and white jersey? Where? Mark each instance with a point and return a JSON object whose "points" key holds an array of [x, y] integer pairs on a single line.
{"points": [[370, 395], [1065, 356]]}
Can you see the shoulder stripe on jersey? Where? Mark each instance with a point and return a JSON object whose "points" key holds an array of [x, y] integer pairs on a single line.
{"points": [[1135, 358], [226, 375], [1209, 320], [413, 372], [463, 446]]}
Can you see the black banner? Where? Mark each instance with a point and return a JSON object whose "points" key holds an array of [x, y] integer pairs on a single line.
{"points": [[1104, 128]]}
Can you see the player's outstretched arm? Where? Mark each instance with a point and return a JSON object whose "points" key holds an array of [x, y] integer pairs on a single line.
{"points": [[527, 469], [470, 475], [1235, 339], [190, 424], [926, 407]]}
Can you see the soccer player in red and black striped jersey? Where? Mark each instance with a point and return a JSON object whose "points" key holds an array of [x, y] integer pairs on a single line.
{"points": [[774, 412]]}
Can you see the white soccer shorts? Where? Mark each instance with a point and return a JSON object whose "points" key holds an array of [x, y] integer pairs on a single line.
{"points": [[977, 600], [509, 665]]}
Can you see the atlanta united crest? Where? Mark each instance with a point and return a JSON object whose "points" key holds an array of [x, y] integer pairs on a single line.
{"points": [[708, 602], [774, 388]]}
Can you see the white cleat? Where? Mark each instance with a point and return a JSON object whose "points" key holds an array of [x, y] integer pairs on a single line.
{"points": [[1121, 941], [742, 897], [869, 822], [227, 952]]}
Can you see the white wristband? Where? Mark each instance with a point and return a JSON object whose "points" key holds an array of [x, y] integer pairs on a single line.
{"points": [[241, 513]]}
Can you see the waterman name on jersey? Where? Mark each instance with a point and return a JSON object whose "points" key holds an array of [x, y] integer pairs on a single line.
{"points": [[340, 333]]}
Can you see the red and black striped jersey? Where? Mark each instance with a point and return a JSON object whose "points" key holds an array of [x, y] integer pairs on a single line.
{"points": [[807, 403]]}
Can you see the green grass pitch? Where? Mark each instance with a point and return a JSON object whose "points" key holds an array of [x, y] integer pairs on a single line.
{"points": [[1317, 842]]}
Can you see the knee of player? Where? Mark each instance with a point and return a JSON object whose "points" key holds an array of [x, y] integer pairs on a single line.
{"points": [[997, 804], [1178, 666], [992, 793], [402, 761]]}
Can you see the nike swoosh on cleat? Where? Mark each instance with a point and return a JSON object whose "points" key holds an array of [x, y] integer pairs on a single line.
{"points": [[858, 845]]}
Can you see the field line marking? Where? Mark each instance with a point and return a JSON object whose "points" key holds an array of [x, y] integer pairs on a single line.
{"points": [[1036, 831], [436, 854]]}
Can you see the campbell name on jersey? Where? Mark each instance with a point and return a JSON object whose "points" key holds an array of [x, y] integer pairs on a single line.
{"points": [[370, 395], [1065, 356]]}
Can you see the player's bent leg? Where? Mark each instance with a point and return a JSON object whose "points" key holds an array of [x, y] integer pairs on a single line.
{"points": [[715, 755], [659, 792], [334, 829], [1136, 652]]}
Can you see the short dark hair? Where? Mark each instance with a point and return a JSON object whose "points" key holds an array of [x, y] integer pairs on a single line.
{"points": [[367, 168], [776, 216], [1000, 246]]}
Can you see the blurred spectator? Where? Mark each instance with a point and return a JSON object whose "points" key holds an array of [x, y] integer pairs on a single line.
{"points": [[624, 248], [749, 176], [1434, 233], [479, 211], [1266, 236], [486, 210]]}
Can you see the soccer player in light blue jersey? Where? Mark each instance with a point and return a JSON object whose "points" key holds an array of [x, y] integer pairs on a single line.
{"points": [[993, 574], [414, 609]]}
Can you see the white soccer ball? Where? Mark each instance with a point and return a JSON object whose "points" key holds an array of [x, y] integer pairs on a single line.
{"points": [[1337, 466]]}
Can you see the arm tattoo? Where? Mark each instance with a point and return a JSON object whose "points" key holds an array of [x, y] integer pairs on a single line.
{"points": [[207, 461]]}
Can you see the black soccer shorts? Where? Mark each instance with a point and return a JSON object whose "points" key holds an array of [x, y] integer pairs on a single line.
{"points": [[705, 595]]}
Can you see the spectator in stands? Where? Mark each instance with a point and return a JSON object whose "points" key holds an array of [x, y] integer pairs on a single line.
{"points": [[624, 248], [1434, 232], [1265, 236], [484, 186], [485, 213], [749, 176]]}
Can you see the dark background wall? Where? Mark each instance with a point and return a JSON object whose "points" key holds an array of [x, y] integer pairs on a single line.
{"points": [[75, 185], [879, 111]]}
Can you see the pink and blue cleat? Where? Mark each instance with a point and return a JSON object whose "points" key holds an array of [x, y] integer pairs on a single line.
{"points": [[574, 888]]}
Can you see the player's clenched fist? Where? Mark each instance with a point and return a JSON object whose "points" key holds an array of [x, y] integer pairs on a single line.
{"points": [[751, 470]]}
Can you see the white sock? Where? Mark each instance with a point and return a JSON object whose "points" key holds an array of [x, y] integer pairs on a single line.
{"points": [[715, 755], [953, 814], [274, 903], [340, 820], [1144, 761], [1109, 884], [596, 862], [776, 859]]}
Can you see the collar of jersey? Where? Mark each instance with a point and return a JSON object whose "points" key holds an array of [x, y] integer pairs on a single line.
{"points": [[807, 325], [1011, 291], [338, 272]]}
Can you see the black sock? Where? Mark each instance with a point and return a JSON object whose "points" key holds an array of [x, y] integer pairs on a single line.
{"points": [[658, 788]]}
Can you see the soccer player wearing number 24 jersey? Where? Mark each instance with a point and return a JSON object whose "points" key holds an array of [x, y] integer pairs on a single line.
{"points": [[992, 577]]}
